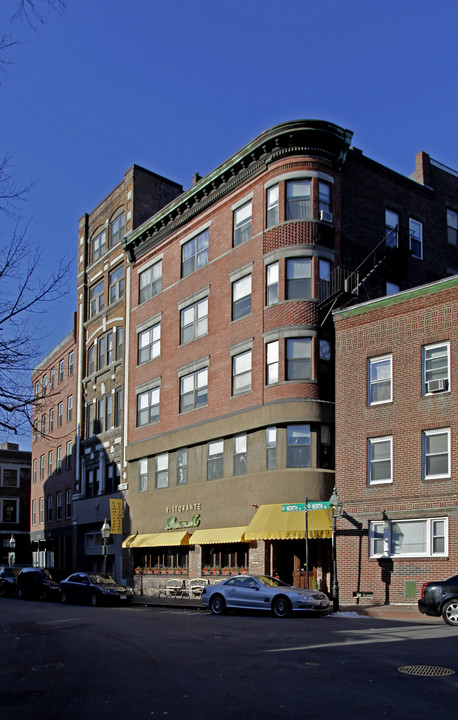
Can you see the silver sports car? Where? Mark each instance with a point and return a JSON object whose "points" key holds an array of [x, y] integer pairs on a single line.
{"points": [[261, 592]]}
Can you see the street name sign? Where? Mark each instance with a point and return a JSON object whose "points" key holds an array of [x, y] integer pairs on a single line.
{"points": [[311, 505]]}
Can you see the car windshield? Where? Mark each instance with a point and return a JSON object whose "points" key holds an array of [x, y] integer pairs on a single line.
{"points": [[270, 581], [102, 579]]}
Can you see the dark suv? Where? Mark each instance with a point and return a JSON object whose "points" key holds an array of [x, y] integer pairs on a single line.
{"points": [[37, 583]]}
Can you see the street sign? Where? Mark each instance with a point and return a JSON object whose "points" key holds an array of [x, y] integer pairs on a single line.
{"points": [[311, 505]]}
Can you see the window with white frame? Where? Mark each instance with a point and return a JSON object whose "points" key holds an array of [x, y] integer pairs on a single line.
{"points": [[194, 253], [34, 512], [96, 298], [298, 279], [61, 370], [379, 378], [150, 282], [241, 373], [324, 199], [43, 425], [37, 389], [436, 453], [215, 457], [298, 200], [240, 450], [10, 510], [148, 407], [194, 321], [58, 505], [241, 297], [44, 385], [272, 283], [71, 356], [99, 245], [391, 228], [162, 470], [116, 284], [436, 367], [118, 407], [426, 537], [298, 440], [91, 360], [49, 508], [117, 230], [380, 460], [182, 466], [52, 377], [59, 459], [68, 455], [68, 504], [69, 408], [60, 414], [34, 470], [272, 206], [42, 467], [271, 447], [50, 463], [242, 223], [298, 358], [51, 420], [452, 226], [194, 390], [119, 334], [416, 238], [273, 362], [143, 475]]}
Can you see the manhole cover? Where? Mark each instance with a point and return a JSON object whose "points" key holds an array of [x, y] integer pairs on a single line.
{"points": [[426, 670]]}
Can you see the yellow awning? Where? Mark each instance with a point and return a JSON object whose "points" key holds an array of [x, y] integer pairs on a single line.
{"points": [[218, 535], [270, 523], [164, 539]]}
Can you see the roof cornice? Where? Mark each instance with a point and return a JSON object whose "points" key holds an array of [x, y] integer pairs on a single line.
{"points": [[315, 138]]}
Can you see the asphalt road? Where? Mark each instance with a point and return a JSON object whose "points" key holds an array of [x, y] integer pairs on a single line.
{"points": [[81, 663]]}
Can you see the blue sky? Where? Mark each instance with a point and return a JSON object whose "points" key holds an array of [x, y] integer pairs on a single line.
{"points": [[178, 86]]}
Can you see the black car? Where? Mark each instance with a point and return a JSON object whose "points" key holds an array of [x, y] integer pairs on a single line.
{"points": [[441, 598], [95, 589], [37, 583], [8, 580]]}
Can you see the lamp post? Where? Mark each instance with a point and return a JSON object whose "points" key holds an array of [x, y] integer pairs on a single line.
{"points": [[12, 554], [105, 532], [336, 505]]}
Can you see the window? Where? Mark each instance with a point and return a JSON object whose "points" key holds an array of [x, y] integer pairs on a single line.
{"points": [[272, 206], [325, 350], [49, 508], [148, 407], [215, 456], [241, 373], [10, 510], [392, 288], [37, 389], [324, 199], [99, 244], [59, 459], [34, 430], [241, 297], [61, 370], [50, 462], [68, 504], [119, 342], [42, 467], [51, 420], [143, 475], [90, 419], [240, 446], [69, 408], [194, 253], [298, 445], [436, 368], [91, 360], [325, 447], [60, 414], [409, 538], [452, 226], [298, 358], [242, 224], [100, 416], [162, 470], [272, 283], [116, 284], [96, 299], [43, 425], [379, 460], [10, 477], [118, 407], [416, 238], [391, 228], [44, 385], [271, 447], [150, 282], [108, 411], [194, 321], [436, 453], [272, 362], [149, 343], [117, 230], [34, 471], [34, 512], [194, 390], [52, 376], [68, 456], [42, 510], [58, 505], [379, 380], [182, 466], [105, 350], [70, 362], [298, 204], [298, 279]]}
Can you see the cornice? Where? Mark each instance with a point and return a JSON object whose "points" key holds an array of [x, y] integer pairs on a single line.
{"points": [[316, 138]]}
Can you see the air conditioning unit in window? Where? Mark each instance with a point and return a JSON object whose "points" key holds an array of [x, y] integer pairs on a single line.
{"points": [[434, 386], [326, 216]]}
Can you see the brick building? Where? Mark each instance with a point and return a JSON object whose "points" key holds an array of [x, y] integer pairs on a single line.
{"points": [[396, 442], [14, 503]]}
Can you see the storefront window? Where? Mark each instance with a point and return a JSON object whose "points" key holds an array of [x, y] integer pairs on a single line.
{"points": [[228, 559]]}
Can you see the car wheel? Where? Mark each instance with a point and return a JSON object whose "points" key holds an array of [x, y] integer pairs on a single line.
{"points": [[94, 600], [63, 598], [217, 605], [450, 612], [281, 607]]}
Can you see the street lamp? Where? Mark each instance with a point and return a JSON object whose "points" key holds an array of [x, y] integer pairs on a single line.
{"points": [[336, 505], [12, 554], [105, 532]]}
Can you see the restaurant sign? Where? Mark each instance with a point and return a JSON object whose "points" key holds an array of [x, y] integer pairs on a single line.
{"points": [[174, 524]]}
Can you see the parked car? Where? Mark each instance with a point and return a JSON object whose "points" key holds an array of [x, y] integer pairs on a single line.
{"points": [[95, 589], [440, 598], [37, 583], [8, 580], [261, 592]]}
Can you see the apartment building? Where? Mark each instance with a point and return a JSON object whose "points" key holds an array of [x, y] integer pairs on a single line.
{"points": [[14, 504]]}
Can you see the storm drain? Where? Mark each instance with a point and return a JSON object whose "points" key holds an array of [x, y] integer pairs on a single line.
{"points": [[426, 670]]}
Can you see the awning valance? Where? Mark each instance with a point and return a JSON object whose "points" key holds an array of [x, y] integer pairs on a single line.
{"points": [[218, 535], [271, 523], [164, 539]]}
